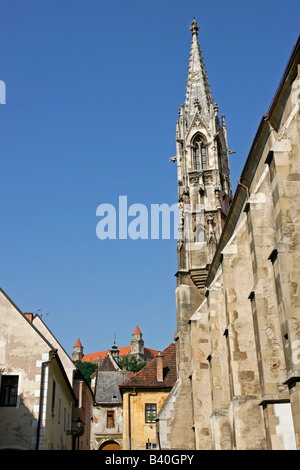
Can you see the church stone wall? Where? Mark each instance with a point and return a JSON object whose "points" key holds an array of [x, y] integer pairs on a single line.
{"points": [[253, 301]]}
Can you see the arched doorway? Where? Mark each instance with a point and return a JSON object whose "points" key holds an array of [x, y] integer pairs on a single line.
{"points": [[110, 445]]}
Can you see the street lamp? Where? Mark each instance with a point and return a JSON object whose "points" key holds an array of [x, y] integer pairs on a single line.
{"points": [[76, 431], [79, 424]]}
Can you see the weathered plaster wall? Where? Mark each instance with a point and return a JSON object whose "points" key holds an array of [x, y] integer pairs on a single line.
{"points": [[141, 432], [21, 353], [101, 432]]}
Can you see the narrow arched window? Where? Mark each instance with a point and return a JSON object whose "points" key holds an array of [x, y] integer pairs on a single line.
{"points": [[197, 159], [200, 234], [203, 155], [199, 153]]}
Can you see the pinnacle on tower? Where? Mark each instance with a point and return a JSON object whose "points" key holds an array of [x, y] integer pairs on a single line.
{"points": [[197, 91]]}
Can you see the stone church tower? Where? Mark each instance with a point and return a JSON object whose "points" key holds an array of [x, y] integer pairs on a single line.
{"points": [[204, 197]]}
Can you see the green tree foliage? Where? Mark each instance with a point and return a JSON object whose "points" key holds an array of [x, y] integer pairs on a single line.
{"points": [[131, 363], [87, 369]]}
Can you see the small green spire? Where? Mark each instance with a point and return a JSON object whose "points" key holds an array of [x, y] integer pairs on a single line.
{"points": [[114, 346]]}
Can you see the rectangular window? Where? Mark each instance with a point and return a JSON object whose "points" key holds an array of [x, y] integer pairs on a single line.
{"points": [[65, 414], [150, 412], [9, 390], [83, 398], [150, 445], [110, 419], [59, 409], [53, 396]]}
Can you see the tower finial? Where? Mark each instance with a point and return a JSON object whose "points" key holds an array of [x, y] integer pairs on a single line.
{"points": [[194, 27]]}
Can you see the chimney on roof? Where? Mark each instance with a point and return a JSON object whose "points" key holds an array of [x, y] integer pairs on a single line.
{"points": [[29, 316], [159, 367]]}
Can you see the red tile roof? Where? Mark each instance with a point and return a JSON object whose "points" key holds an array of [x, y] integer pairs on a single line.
{"points": [[137, 331], [147, 377], [78, 343], [122, 352]]}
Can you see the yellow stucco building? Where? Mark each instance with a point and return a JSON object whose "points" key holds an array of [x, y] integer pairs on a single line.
{"points": [[143, 397]]}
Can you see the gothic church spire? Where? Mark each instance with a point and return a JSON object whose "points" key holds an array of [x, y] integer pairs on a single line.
{"points": [[197, 91], [204, 189]]}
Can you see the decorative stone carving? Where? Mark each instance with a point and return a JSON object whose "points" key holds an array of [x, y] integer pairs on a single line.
{"points": [[194, 177], [211, 236], [197, 121], [197, 106], [218, 197], [225, 185], [207, 176], [185, 197]]}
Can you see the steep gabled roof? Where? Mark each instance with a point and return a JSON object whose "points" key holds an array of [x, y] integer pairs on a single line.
{"points": [[109, 364], [53, 351], [27, 320], [108, 377], [147, 377]]}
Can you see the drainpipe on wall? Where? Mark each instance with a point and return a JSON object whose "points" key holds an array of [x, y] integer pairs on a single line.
{"points": [[130, 394], [43, 402], [158, 439], [245, 187]]}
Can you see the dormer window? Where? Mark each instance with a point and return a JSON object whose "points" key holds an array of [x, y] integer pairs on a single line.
{"points": [[199, 153]]}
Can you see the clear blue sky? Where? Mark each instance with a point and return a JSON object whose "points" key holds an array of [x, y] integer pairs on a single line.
{"points": [[93, 91]]}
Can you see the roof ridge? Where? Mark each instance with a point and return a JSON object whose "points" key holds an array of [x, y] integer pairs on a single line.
{"points": [[110, 362]]}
